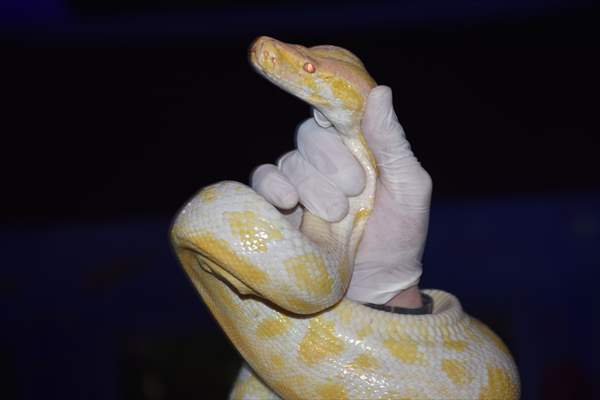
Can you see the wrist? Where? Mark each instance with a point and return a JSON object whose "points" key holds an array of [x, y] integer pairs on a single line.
{"points": [[410, 302], [407, 298]]}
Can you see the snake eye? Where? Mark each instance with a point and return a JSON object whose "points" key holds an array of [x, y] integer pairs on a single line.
{"points": [[308, 67]]}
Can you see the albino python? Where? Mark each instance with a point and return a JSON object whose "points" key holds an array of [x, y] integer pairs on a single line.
{"points": [[278, 291]]}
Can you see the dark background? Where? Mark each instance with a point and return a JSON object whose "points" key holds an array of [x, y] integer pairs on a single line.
{"points": [[115, 112]]}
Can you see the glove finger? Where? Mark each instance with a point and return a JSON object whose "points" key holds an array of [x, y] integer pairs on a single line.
{"points": [[383, 132], [323, 149], [270, 183], [400, 171], [316, 192]]}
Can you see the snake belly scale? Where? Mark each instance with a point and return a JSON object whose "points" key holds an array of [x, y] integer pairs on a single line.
{"points": [[278, 291]]}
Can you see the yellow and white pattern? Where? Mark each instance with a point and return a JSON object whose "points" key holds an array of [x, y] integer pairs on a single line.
{"points": [[278, 291]]}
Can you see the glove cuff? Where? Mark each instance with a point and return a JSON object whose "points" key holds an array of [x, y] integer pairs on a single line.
{"points": [[426, 308]]}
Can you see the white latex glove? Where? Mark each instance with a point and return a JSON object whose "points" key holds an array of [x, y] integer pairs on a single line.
{"points": [[322, 174]]}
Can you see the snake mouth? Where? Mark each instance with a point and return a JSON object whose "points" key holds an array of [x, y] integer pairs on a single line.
{"points": [[301, 92]]}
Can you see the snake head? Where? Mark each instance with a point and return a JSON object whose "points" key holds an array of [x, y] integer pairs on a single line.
{"points": [[329, 78]]}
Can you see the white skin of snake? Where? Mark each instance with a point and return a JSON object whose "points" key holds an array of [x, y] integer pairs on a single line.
{"points": [[278, 291]]}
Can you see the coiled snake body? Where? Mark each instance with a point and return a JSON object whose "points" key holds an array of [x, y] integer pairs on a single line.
{"points": [[278, 291]]}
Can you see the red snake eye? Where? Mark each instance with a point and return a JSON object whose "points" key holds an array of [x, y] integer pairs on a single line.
{"points": [[308, 67]]}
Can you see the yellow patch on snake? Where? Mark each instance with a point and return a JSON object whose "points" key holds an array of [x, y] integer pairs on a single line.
{"points": [[273, 326], [457, 371], [365, 361], [332, 391], [405, 350], [253, 232], [310, 83], [499, 385], [344, 91], [456, 345], [310, 273], [360, 215], [222, 252], [277, 361], [208, 194], [364, 331], [320, 342]]}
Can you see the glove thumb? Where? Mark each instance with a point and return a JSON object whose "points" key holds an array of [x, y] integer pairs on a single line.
{"points": [[399, 169]]}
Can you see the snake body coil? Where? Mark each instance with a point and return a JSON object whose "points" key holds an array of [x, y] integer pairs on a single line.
{"points": [[278, 291]]}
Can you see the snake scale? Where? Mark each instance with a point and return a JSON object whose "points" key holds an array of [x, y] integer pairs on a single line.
{"points": [[278, 291]]}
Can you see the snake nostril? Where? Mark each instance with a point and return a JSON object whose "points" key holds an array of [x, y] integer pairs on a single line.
{"points": [[269, 56]]}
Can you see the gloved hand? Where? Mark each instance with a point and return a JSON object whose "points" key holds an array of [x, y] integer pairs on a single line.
{"points": [[322, 173]]}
